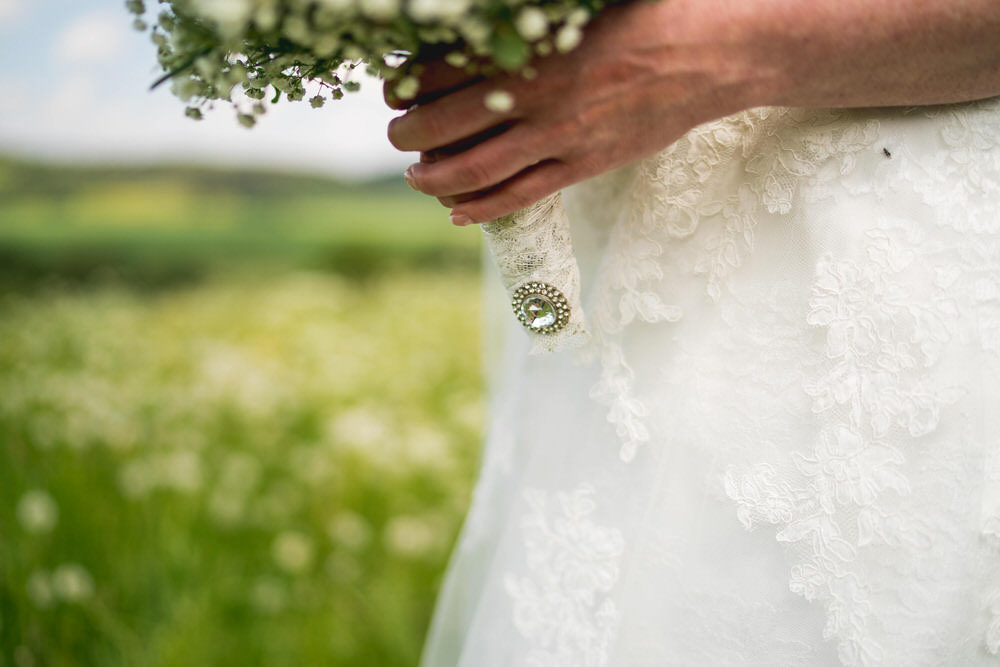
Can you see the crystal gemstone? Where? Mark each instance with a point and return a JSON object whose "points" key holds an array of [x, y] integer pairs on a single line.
{"points": [[538, 312]]}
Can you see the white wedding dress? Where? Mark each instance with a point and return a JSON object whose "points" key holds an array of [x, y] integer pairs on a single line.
{"points": [[782, 446]]}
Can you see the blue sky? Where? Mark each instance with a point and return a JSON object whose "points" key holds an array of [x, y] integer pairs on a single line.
{"points": [[74, 86]]}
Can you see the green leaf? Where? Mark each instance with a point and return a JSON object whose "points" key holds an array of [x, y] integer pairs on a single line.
{"points": [[509, 51]]}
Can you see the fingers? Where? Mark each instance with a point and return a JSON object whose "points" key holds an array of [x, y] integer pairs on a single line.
{"points": [[435, 77], [438, 76], [457, 116], [523, 190], [481, 166]]}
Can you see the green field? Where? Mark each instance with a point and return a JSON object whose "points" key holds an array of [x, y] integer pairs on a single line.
{"points": [[240, 416]]}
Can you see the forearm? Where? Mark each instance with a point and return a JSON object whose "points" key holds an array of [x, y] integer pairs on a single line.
{"points": [[647, 72], [856, 53]]}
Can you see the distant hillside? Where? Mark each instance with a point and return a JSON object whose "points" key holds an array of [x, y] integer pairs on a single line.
{"points": [[159, 224], [25, 178]]}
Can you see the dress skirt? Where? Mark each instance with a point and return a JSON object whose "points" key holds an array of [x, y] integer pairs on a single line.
{"points": [[782, 444]]}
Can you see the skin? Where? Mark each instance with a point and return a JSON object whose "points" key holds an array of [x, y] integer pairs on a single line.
{"points": [[647, 72]]}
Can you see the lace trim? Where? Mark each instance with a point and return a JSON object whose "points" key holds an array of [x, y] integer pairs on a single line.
{"points": [[534, 245], [667, 205]]}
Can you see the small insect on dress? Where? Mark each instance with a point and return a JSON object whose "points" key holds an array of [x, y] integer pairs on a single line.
{"points": [[782, 444]]}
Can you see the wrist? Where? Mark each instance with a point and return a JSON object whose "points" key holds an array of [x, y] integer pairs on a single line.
{"points": [[730, 48]]}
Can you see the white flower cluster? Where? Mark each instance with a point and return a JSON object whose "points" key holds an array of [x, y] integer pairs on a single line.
{"points": [[251, 52]]}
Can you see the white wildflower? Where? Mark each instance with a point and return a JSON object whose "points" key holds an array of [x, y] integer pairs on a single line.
{"points": [[359, 426], [351, 530], [72, 582], [181, 470], [292, 551], [409, 536], [37, 511]]}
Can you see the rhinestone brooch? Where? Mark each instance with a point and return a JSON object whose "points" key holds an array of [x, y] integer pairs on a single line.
{"points": [[540, 307]]}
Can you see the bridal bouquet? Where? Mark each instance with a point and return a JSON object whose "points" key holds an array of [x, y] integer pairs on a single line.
{"points": [[253, 53]]}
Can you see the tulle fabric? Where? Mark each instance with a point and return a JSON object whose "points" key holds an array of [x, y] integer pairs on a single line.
{"points": [[782, 445]]}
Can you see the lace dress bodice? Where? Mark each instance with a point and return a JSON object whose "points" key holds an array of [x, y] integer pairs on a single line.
{"points": [[781, 445]]}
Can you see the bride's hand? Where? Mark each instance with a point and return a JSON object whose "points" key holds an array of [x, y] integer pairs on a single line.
{"points": [[645, 73]]}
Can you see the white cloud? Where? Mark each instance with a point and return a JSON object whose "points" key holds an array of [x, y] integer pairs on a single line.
{"points": [[96, 37], [81, 118], [15, 96], [10, 11]]}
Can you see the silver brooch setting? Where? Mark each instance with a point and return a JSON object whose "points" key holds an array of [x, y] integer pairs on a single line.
{"points": [[540, 307]]}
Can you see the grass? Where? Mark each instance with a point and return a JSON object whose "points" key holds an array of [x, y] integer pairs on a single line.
{"points": [[228, 435]]}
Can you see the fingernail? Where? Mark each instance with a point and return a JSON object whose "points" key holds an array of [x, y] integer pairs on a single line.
{"points": [[460, 219], [408, 176]]}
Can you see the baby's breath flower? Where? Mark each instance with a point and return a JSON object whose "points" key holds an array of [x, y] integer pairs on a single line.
{"points": [[273, 49], [499, 101], [531, 23], [446, 11], [578, 17], [337, 5], [568, 38], [380, 10], [407, 88], [456, 59]]}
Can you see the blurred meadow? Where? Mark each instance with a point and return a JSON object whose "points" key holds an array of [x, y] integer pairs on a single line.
{"points": [[240, 416]]}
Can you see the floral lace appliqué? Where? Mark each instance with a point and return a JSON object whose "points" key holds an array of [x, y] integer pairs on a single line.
{"points": [[563, 605]]}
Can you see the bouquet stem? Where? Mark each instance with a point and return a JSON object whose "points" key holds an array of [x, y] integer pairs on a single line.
{"points": [[534, 254]]}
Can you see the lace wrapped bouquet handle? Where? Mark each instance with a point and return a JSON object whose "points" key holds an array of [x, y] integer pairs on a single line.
{"points": [[534, 255], [253, 53]]}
